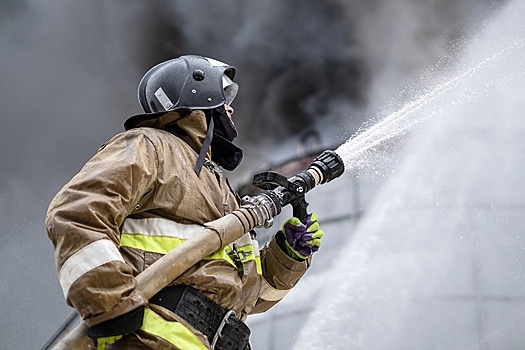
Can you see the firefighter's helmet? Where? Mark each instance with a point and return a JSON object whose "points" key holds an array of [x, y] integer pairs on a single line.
{"points": [[188, 82]]}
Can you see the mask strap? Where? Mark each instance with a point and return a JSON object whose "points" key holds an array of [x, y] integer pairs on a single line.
{"points": [[205, 147]]}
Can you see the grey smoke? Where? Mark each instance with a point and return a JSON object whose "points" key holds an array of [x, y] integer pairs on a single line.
{"points": [[436, 263], [69, 71]]}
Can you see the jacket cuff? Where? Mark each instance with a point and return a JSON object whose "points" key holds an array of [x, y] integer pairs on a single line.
{"points": [[280, 239], [120, 325], [280, 254]]}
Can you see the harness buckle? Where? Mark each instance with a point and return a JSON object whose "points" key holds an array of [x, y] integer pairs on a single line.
{"points": [[218, 333]]}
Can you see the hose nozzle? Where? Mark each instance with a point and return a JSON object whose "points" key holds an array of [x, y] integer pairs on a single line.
{"points": [[326, 167]]}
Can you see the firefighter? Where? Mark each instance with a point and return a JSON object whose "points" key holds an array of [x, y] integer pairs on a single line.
{"points": [[144, 193]]}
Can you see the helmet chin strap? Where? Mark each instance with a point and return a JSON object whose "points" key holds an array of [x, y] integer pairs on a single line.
{"points": [[224, 152], [205, 147], [226, 128]]}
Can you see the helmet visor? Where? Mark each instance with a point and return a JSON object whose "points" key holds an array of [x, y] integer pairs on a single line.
{"points": [[230, 89]]}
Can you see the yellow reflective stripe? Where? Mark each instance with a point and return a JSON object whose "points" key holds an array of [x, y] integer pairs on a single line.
{"points": [[257, 256], [258, 265], [222, 255], [165, 244], [248, 253], [158, 235], [154, 244], [173, 332]]}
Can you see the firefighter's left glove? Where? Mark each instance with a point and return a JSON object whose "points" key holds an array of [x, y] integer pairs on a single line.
{"points": [[110, 331], [302, 239]]}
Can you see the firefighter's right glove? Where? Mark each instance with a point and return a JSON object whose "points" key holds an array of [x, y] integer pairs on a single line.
{"points": [[302, 239], [110, 331]]}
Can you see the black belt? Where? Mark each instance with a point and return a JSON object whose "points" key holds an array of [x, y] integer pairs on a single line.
{"points": [[223, 329]]}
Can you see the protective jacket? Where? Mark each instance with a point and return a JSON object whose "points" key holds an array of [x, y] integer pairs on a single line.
{"points": [[137, 199]]}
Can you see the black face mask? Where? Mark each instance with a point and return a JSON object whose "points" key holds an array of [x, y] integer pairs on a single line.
{"points": [[223, 124], [223, 151]]}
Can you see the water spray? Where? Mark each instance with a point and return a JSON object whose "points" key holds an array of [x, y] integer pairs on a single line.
{"points": [[358, 151]]}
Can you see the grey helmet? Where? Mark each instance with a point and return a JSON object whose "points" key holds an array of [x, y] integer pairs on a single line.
{"points": [[187, 82]]}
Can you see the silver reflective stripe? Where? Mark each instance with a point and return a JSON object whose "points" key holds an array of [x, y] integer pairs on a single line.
{"points": [[160, 227], [269, 293], [85, 260], [163, 99], [226, 81], [216, 63], [245, 240]]}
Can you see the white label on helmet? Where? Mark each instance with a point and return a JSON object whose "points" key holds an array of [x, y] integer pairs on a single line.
{"points": [[226, 81], [163, 99], [216, 63]]}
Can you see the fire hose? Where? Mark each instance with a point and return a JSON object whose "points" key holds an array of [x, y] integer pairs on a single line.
{"points": [[255, 211]]}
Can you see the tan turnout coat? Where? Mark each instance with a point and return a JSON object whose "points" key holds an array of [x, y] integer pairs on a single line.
{"points": [[139, 197]]}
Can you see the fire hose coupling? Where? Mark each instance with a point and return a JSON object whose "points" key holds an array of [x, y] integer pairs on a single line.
{"points": [[264, 207], [328, 165]]}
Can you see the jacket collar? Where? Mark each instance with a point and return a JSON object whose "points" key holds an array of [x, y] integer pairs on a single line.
{"points": [[191, 127], [194, 128]]}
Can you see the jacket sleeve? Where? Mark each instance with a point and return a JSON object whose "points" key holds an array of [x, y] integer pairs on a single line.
{"points": [[280, 274], [83, 223]]}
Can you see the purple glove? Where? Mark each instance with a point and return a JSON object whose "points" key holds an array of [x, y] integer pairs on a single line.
{"points": [[302, 238]]}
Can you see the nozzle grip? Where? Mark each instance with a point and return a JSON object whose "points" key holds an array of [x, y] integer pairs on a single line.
{"points": [[300, 208], [325, 167]]}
